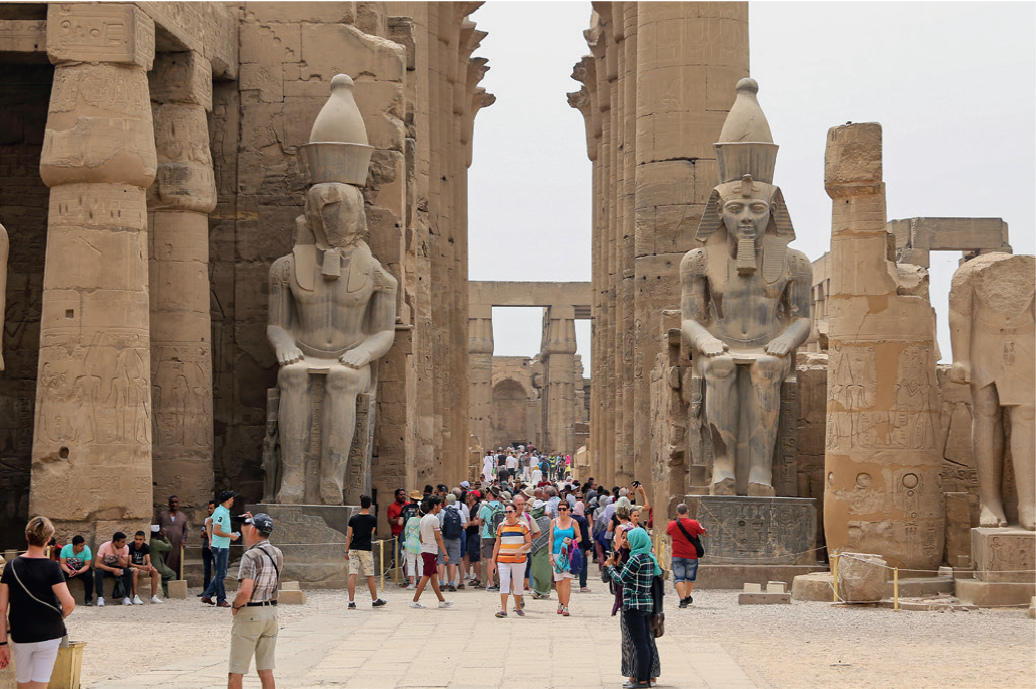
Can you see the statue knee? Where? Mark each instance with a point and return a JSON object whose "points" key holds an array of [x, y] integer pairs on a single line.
{"points": [[1024, 413], [769, 368], [343, 379], [292, 376], [718, 366]]}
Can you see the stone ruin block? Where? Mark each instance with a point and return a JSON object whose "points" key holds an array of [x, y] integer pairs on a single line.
{"points": [[861, 577]]}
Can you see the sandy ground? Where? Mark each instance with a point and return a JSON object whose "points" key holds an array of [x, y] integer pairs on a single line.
{"points": [[800, 645]]}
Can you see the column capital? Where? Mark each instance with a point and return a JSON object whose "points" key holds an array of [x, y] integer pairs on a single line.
{"points": [[104, 32]]}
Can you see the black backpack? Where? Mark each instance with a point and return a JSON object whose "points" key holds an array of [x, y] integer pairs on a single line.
{"points": [[451, 524]]}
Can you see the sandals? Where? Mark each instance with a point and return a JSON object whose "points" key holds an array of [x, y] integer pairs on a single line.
{"points": [[501, 613]]}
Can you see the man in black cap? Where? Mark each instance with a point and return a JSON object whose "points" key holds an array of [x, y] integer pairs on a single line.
{"points": [[255, 608], [220, 545]]}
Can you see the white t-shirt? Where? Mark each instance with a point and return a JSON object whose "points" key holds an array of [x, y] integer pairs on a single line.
{"points": [[511, 462], [429, 525]]}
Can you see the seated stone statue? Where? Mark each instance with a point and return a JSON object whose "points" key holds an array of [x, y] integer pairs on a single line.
{"points": [[745, 302], [993, 335], [332, 306]]}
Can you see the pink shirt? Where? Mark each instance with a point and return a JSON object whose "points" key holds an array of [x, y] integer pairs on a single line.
{"points": [[109, 555]]}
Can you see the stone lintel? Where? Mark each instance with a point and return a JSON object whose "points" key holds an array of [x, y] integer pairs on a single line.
{"points": [[950, 234], [550, 294], [23, 35], [106, 32], [181, 78], [207, 28]]}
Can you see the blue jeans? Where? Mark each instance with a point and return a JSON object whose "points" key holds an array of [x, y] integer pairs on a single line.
{"points": [[206, 558], [215, 587], [685, 569], [586, 566], [637, 624]]}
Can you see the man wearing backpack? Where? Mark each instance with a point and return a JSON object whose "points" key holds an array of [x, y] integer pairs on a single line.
{"points": [[683, 532], [452, 524], [491, 514]]}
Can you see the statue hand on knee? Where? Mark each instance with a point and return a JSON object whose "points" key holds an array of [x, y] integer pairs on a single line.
{"points": [[713, 347], [960, 372], [288, 354], [355, 358], [779, 346]]}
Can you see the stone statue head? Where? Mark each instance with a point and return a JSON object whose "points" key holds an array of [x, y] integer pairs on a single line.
{"points": [[333, 216]]}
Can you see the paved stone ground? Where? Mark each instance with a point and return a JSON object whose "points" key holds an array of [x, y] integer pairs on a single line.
{"points": [[464, 647]]}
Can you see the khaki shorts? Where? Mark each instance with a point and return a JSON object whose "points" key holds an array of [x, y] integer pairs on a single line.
{"points": [[361, 562], [254, 632]]}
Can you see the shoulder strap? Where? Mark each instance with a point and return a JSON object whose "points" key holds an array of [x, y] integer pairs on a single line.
{"points": [[272, 562], [679, 523], [27, 591]]}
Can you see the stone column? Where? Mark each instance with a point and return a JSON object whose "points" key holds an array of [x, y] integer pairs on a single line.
{"points": [[883, 493], [480, 351], [559, 357], [690, 55], [91, 457], [179, 203]]}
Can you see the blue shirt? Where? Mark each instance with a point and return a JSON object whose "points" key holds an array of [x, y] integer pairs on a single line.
{"points": [[486, 515], [220, 518]]}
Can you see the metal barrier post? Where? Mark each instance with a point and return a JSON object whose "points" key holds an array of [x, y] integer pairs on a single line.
{"points": [[834, 578], [396, 554], [895, 589], [381, 558], [181, 561]]}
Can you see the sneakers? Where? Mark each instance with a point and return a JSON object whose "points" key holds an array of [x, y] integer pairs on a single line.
{"points": [[352, 605], [683, 603], [417, 604], [564, 611], [136, 601], [100, 601], [411, 587], [156, 599], [492, 588], [445, 603], [127, 601], [451, 588], [207, 600], [584, 589], [377, 603], [560, 608], [460, 585]]}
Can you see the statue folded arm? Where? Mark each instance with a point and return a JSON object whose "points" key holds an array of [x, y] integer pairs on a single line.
{"points": [[279, 327], [381, 323], [694, 303]]}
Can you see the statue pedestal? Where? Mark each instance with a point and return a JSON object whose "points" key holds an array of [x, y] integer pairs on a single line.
{"points": [[1004, 561], [312, 539]]}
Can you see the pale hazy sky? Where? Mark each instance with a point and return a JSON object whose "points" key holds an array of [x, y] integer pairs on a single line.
{"points": [[953, 85]]}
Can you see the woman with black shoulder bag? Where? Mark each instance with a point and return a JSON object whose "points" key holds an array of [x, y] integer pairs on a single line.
{"points": [[35, 588]]}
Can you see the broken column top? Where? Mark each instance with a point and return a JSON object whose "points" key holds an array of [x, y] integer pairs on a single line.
{"points": [[745, 145], [337, 150]]}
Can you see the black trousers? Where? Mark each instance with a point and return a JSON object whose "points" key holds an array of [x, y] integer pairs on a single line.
{"points": [[127, 581], [87, 578], [637, 624]]}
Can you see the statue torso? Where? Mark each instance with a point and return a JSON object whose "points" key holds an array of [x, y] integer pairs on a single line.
{"points": [[745, 311]]}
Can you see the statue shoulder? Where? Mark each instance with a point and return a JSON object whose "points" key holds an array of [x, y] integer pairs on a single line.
{"points": [[280, 271], [799, 264], [695, 262], [384, 281]]}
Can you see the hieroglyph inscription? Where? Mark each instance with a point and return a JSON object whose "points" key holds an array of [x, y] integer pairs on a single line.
{"points": [[748, 530], [118, 33]]}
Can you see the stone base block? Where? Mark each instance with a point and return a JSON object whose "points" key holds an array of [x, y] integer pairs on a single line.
{"points": [[818, 586], [764, 598], [177, 588], [915, 587], [312, 539], [290, 597], [746, 530], [776, 587], [861, 577], [290, 586], [736, 576], [987, 593], [1004, 555]]}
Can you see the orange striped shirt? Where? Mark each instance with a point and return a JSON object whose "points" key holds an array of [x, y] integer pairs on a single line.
{"points": [[512, 540]]}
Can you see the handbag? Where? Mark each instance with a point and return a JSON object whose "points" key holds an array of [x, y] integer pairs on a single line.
{"points": [[64, 639], [695, 541], [657, 619]]}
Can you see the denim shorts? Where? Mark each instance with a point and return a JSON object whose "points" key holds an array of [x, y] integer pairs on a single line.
{"points": [[685, 569]]}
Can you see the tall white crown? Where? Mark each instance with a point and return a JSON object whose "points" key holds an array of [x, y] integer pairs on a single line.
{"points": [[337, 150], [745, 145]]}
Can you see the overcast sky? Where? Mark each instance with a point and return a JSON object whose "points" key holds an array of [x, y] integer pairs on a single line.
{"points": [[953, 85]]}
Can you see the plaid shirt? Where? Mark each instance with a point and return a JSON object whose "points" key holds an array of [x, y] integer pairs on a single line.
{"points": [[636, 578], [258, 567]]}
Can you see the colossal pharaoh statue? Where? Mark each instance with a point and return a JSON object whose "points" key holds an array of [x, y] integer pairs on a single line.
{"points": [[745, 301], [332, 309], [993, 335]]}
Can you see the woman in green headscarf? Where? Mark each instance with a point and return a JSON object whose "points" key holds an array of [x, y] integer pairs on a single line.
{"points": [[636, 578]]}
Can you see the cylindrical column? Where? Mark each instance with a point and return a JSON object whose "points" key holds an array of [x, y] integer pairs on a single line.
{"points": [[91, 457], [883, 490], [179, 203], [480, 350], [559, 355]]}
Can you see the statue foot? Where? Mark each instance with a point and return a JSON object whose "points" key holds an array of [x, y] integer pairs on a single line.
{"points": [[724, 486], [1027, 520], [761, 490], [331, 493], [989, 519]]}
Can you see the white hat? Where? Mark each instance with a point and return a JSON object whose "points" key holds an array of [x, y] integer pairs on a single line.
{"points": [[155, 528], [465, 484]]}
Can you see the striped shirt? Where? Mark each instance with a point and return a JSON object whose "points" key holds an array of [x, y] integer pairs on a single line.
{"points": [[512, 541], [636, 578], [255, 565]]}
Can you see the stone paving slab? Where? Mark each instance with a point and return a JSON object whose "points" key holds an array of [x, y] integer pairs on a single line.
{"points": [[461, 647]]}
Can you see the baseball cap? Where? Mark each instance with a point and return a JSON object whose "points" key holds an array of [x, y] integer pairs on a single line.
{"points": [[226, 495], [262, 521], [451, 499], [465, 484]]}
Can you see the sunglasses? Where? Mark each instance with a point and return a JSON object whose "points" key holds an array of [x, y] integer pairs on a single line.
{"points": [[562, 509], [508, 511]]}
